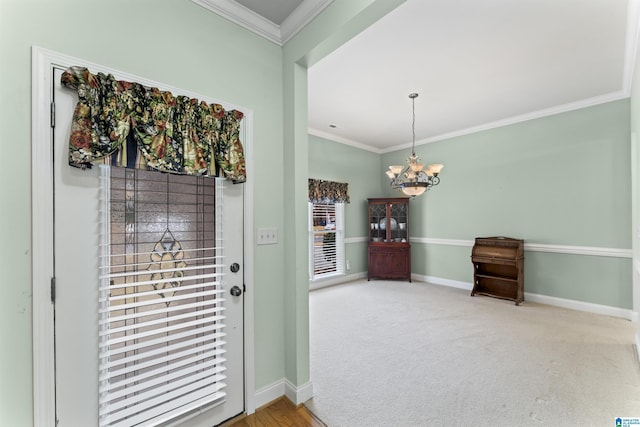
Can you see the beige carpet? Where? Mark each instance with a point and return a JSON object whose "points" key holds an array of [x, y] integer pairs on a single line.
{"points": [[389, 353]]}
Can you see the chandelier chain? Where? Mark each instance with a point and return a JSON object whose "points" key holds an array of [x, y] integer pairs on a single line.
{"points": [[413, 128]]}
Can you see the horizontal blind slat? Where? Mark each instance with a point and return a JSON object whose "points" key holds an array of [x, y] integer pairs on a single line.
{"points": [[147, 375], [195, 355], [161, 281], [138, 264], [184, 325], [111, 255], [151, 406], [150, 393], [170, 309], [157, 321], [106, 353], [198, 340], [159, 271], [174, 298], [179, 408], [105, 398]]}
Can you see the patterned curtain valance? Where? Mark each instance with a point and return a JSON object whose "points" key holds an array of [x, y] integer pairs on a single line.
{"points": [[328, 191], [130, 125]]}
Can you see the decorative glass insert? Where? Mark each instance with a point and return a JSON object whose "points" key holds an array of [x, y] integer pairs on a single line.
{"points": [[161, 308]]}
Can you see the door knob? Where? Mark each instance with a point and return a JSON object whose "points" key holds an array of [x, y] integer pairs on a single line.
{"points": [[235, 267], [235, 291]]}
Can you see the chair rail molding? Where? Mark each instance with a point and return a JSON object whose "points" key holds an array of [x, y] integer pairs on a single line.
{"points": [[538, 247]]}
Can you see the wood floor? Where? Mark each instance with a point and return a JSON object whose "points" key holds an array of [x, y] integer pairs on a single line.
{"points": [[279, 413]]}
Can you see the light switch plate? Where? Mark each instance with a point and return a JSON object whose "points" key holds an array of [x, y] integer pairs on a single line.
{"points": [[267, 236]]}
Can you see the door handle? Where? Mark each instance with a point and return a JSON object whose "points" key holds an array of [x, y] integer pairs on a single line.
{"points": [[235, 291]]}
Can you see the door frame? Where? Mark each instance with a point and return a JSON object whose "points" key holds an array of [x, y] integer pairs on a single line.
{"points": [[42, 63]]}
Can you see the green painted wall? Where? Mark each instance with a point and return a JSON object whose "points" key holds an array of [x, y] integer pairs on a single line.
{"points": [[593, 279], [333, 161], [335, 25], [560, 180], [174, 42]]}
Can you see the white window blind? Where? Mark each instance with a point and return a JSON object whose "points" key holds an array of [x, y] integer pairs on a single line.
{"points": [[326, 240], [160, 310]]}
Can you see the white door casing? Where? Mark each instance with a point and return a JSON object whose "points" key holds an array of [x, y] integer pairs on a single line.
{"points": [[81, 240]]}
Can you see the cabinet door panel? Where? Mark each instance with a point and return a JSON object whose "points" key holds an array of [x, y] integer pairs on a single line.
{"points": [[397, 263], [389, 262]]}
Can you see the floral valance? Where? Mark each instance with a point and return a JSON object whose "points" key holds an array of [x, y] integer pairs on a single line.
{"points": [[131, 125], [328, 191]]}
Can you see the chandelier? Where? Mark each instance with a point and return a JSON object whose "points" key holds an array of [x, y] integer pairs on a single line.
{"points": [[414, 179]]}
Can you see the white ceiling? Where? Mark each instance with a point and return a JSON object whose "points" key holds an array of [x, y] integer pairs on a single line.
{"points": [[476, 64]]}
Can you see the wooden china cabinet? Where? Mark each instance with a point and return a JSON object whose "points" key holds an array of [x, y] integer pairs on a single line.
{"points": [[389, 251]]}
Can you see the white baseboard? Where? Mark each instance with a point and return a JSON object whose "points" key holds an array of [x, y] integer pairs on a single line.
{"points": [[542, 299], [298, 395], [269, 393], [606, 310], [442, 282], [332, 281], [281, 388]]}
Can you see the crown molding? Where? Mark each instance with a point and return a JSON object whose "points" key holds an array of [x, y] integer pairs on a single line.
{"points": [[300, 17], [584, 103], [590, 102], [244, 17], [248, 19], [341, 140]]}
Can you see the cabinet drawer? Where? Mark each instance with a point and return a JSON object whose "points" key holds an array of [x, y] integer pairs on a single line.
{"points": [[388, 248]]}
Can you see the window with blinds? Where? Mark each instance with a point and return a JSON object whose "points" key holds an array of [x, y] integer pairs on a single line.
{"points": [[326, 240], [161, 325]]}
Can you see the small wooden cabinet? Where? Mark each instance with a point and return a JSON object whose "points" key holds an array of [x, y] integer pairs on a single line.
{"points": [[498, 268], [389, 249]]}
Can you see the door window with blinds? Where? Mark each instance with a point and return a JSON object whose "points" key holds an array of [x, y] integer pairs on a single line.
{"points": [[326, 240], [161, 310]]}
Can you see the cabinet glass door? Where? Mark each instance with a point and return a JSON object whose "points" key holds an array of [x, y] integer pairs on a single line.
{"points": [[399, 224], [377, 217]]}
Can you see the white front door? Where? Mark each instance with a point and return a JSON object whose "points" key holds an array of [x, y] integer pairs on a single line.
{"points": [[76, 259]]}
